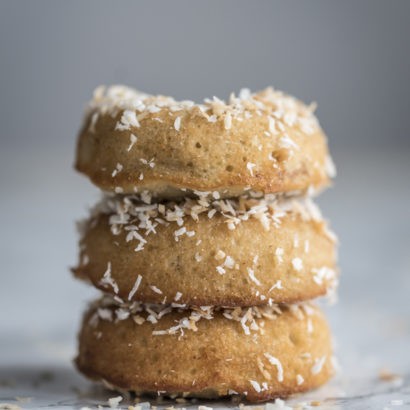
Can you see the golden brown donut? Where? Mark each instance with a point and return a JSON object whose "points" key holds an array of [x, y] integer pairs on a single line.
{"points": [[259, 353], [240, 252], [267, 142]]}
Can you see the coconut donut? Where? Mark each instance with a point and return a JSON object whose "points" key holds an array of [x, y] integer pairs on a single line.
{"points": [[225, 252], [256, 353], [267, 141]]}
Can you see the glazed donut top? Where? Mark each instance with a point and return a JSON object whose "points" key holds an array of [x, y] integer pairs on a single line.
{"points": [[267, 141]]}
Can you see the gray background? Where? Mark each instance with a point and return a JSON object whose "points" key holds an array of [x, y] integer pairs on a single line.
{"points": [[352, 57]]}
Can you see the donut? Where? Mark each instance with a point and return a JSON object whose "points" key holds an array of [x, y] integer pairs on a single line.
{"points": [[267, 142], [225, 252], [254, 353]]}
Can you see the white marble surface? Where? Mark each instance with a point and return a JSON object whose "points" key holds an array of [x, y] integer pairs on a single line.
{"points": [[40, 304]]}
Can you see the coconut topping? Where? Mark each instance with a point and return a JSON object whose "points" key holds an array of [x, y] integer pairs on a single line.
{"points": [[135, 287], [297, 264], [275, 362], [280, 109], [133, 140], [137, 218], [251, 319], [107, 279], [318, 365]]}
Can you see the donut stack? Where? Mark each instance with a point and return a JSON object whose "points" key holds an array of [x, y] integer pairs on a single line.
{"points": [[206, 244]]}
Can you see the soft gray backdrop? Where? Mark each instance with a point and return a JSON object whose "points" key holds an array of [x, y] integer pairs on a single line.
{"points": [[352, 57]]}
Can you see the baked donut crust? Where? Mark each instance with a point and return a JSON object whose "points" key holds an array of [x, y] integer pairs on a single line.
{"points": [[240, 252], [267, 142], [285, 350]]}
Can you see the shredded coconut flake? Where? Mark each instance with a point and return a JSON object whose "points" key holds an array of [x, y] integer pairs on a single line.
{"points": [[278, 404], [220, 255], [276, 362], [229, 262], [113, 402], [93, 122], [255, 385], [156, 290], [323, 274], [251, 274], [118, 169], [177, 123], [220, 270], [135, 287], [330, 167], [277, 285], [318, 365], [279, 254], [296, 241], [286, 142], [272, 127], [107, 279], [250, 167], [299, 379], [297, 264], [133, 140], [309, 325], [128, 120], [228, 121]]}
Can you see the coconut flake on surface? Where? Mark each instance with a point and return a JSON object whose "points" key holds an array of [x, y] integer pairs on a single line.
{"points": [[93, 122], [297, 264], [278, 404], [276, 362], [133, 140], [107, 279], [279, 252], [220, 270], [228, 121], [323, 274], [128, 120], [286, 142], [135, 287], [250, 166], [306, 246], [276, 285], [330, 167], [229, 262], [255, 385], [113, 402], [251, 274], [117, 170], [177, 123], [318, 365], [156, 290]]}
